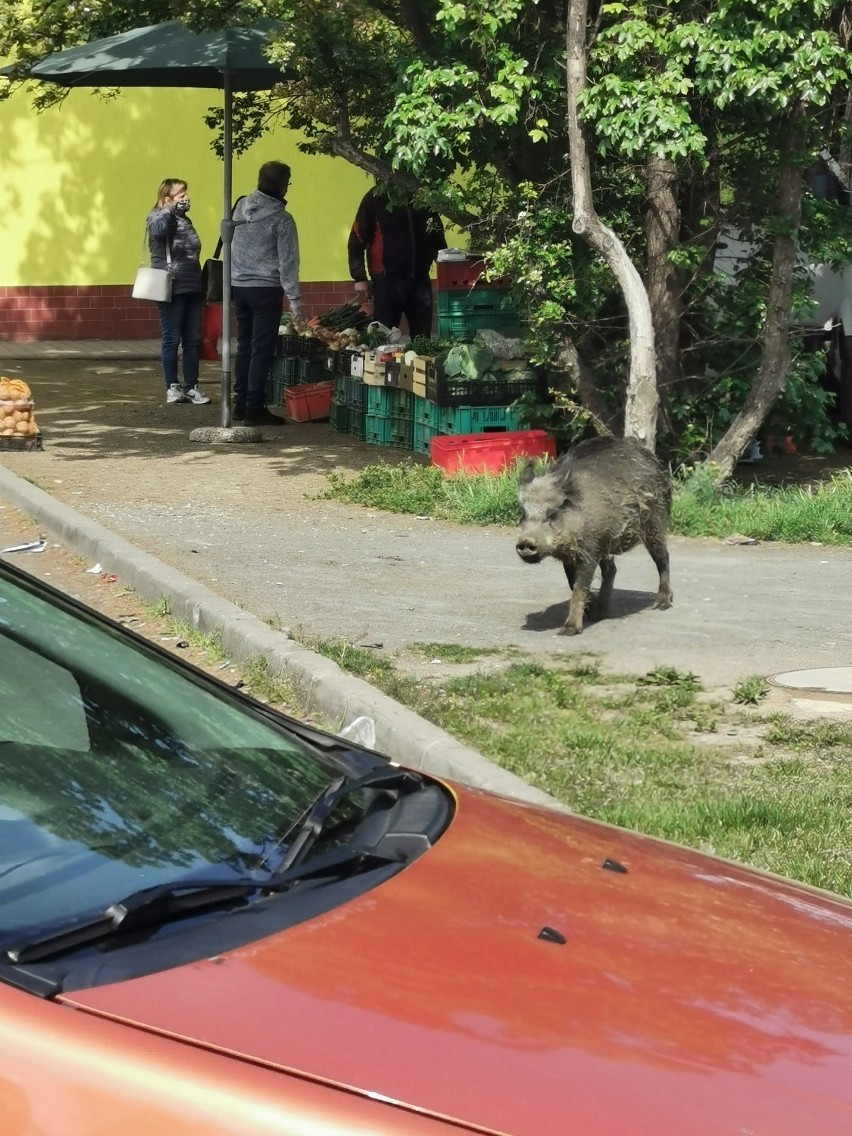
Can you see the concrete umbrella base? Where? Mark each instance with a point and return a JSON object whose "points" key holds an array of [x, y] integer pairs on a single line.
{"points": [[226, 434]]}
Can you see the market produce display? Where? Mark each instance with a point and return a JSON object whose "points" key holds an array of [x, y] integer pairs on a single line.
{"points": [[337, 328], [16, 409]]}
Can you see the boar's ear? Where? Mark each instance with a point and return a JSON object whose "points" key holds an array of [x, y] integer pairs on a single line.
{"points": [[568, 486], [527, 474]]}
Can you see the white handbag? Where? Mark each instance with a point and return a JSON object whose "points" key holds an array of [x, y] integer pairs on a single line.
{"points": [[154, 283]]}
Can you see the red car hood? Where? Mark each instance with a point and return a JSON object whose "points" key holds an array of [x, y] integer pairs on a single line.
{"points": [[689, 996]]}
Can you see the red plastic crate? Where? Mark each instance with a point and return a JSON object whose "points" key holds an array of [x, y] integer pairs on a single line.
{"points": [[309, 401], [462, 275], [489, 453]]}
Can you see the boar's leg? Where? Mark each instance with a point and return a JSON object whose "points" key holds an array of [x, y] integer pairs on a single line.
{"points": [[570, 571], [579, 594], [655, 542], [607, 580]]}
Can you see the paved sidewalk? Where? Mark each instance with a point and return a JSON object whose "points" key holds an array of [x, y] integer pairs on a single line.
{"points": [[82, 349]]}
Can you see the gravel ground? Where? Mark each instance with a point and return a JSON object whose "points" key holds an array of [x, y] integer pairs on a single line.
{"points": [[247, 522]]}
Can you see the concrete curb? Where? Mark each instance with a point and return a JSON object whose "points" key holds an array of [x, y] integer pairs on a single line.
{"points": [[400, 733]]}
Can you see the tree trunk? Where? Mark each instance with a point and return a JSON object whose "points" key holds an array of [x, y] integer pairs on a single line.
{"points": [[569, 363], [663, 280], [640, 414], [775, 362]]}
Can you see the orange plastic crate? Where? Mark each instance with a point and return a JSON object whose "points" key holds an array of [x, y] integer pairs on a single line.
{"points": [[489, 453], [309, 402]]}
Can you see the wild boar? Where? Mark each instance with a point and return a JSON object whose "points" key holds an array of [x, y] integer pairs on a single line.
{"points": [[600, 499]]}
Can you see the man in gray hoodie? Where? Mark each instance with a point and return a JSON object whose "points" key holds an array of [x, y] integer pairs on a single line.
{"points": [[264, 268]]}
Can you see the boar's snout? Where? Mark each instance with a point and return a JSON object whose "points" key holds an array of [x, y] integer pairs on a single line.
{"points": [[528, 550]]}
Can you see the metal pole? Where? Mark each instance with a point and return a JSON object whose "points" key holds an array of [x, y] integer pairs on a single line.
{"points": [[226, 232]]}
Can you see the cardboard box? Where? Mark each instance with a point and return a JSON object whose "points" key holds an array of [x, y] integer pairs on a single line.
{"points": [[423, 365], [405, 381], [374, 371]]}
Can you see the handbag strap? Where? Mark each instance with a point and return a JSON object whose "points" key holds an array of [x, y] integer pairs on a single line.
{"points": [[218, 251], [145, 236]]}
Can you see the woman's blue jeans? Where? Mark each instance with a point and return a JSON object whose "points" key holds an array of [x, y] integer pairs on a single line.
{"points": [[180, 325]]}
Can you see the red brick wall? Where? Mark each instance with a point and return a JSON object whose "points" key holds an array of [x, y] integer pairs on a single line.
{"points": [[108, 311]]}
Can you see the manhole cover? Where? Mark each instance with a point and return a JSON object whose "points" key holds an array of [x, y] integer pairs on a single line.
{"points": [[833, 683]]}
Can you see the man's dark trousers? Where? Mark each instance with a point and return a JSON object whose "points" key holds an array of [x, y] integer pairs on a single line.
{"points": [[398, 296], [258, 318]]}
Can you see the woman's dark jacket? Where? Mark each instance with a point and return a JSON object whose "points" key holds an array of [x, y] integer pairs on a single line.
{"points": [[185, 244]]}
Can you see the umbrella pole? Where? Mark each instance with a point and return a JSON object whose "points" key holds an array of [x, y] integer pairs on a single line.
{"points": [[226, 233]]}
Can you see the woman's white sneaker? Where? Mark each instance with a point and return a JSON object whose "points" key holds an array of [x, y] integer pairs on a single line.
{"points": [[175, 394], [195, 395]]}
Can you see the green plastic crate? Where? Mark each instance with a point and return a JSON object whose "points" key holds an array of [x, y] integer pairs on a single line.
{"points": [[311, 371], [475, 420], [389, 430], [282, 374], [339, 416], [311, 350], [356, 393], [422, 435], [425, 411], [357, 422], [477, 300], [402, 402], [464, 325], [390, 400]]}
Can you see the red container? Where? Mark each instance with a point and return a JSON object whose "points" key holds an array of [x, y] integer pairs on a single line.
{"points": [[462, 275], [489, 453], [309, 402], [211, 329]]}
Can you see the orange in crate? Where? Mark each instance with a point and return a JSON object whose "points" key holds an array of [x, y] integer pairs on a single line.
{"points": [[308, 402], [489, 453]]}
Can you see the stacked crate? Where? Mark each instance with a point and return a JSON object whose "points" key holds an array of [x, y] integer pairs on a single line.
{"points": [[298, 359], [451, 406], [390, 416], [465, 306], [283, 372]]}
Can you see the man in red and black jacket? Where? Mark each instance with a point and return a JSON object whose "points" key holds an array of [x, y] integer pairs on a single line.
{"points": [[401, 243]]}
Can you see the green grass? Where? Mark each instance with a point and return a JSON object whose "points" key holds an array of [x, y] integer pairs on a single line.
{"points": [[795, 514], [618, 748], [750, 691], [453, 652]]}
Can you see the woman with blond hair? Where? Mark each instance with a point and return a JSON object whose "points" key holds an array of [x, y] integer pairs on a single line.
{"points": [[173, 241]]}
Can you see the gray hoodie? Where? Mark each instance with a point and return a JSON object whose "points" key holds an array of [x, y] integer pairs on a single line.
{"points": [[265, 249]]}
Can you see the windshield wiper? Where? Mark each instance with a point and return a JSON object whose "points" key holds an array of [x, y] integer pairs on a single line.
{"points": [[163, 902], [318, 813]]}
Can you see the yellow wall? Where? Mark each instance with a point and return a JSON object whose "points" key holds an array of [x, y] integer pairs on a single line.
{"points": [[79, 179]]}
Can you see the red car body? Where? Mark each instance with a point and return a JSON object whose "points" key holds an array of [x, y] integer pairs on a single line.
{"points": [[438, 961], [689, 996]]}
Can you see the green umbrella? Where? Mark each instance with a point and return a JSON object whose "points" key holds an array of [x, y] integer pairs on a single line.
{"points": [[170, 55]]}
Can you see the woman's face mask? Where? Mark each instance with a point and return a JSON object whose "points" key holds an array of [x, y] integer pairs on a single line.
{"points": [[182, 206]]}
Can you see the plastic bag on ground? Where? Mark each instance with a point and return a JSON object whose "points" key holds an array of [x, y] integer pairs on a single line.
{"points": [[361, 731]]}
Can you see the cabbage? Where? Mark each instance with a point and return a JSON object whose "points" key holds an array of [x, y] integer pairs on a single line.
{"points": [[467, 361]]}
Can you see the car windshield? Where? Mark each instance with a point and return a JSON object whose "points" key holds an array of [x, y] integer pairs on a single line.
{"points": [[119, 771]]}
